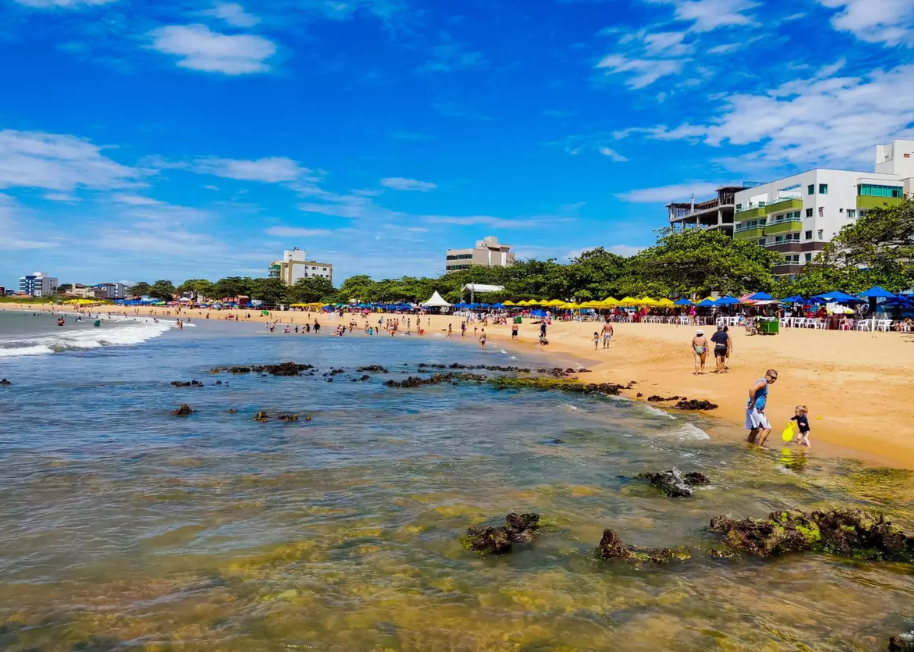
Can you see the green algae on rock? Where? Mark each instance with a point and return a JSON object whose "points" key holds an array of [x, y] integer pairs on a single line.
{"points": [[497, 540], [560, 384], [849, 532], [612, 547]]}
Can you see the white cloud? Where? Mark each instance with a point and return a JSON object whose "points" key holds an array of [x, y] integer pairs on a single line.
{"points": [[667, 44], [60, 196], [709, 15], [136, 200], [641, 72], [400, 183], [200, 49], [71, 4], [667, 194], [623, 250], [825, 120], [293, 232], [35, 159], [13, 231], [613, 155], [268, 170], [890, 22], [233, 14]]}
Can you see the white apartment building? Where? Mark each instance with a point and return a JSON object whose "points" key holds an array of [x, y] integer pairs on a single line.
{"points": [[295, 266], [83, 291], [488, 252], [38, 284], [795, 216], [111, 291]]}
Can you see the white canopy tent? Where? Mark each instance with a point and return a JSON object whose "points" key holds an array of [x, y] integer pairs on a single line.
{"points": [[480, 287], [436, 302]]}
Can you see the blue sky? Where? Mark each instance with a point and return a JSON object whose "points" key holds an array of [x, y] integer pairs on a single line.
{"points": [[145, 140]]}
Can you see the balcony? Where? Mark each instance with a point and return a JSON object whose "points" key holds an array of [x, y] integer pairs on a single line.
{"points": [[789, 204], [866, 202], [750, 234], [786, 225], [751, 214]]}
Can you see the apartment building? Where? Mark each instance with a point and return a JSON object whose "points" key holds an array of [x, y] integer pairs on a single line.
{"points": [[797, 215], [83, 291], [38, 284], [488, 252], [716, 213], [295, 266], [111, 291]]}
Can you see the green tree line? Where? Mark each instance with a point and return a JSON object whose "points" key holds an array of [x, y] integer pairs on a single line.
{"points": [[878, 249]]}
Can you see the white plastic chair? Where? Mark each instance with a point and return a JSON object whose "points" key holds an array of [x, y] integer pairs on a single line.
{"points": [[863, 325], [784, 322], [883, 325]]}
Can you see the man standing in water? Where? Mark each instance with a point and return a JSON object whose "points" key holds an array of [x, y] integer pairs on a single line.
{"points": [[756, 422]]}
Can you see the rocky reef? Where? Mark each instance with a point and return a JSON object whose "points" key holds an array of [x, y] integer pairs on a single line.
{"points": [[373, 368], [4, 381], [183, 411], [675, 484], [612, 547], [189, 383], [849, 532], [281, 369], [518, 528], [435, 379], [571, 387], [695, 404]]}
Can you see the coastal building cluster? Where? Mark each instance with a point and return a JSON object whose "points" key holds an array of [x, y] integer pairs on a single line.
{"points": [[797, 215], [488, 252], [295, 266], [42, 284]]}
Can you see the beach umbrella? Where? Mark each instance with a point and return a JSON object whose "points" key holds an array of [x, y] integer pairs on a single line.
{"points": [[682, 302], [877, 292], [498, 305], [629, 301], [794, 299], [706, 303], [666, 303], [838, 297], [760, 296], [609, 301], [727, 301], [647, 301], [509, 303]]}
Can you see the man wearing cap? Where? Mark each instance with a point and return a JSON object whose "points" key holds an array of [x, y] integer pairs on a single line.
{"points": [[756, 422], [700, 349]]}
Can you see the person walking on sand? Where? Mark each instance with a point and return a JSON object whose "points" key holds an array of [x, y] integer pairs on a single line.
{"points": [[513, 331], [596, 340], [449, 330], [721, 348], [756, 421], [607, 334], [700, 351]]}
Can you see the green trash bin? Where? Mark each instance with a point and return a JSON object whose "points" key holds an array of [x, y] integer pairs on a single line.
{"points": [[768, 327]]}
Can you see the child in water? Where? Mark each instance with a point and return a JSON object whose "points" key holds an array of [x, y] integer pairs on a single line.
{"points": [[803, 425]]}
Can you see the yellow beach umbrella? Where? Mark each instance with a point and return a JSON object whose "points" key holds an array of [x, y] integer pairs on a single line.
{"points": [[554, 302], [609, 301], [666, 303], [629, 301], [573, 306], [523, 303], [647, 301], [508, 303]]}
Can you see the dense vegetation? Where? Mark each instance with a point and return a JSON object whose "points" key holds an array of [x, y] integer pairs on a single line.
{"points": [[876, 250]]}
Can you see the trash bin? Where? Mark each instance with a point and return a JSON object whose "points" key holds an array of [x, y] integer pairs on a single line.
{"points": [[768, 327]]}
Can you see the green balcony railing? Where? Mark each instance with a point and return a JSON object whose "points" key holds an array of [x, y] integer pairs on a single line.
{"points": [[784, 205], [793, 225], [751, 214], [866, 202], [749, 234]]}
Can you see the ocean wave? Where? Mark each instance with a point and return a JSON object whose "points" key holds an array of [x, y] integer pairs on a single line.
{"points": [[122, 334], [688, 431], [660, 413]]}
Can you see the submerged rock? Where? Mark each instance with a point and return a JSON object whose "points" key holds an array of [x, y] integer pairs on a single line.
{"points": [[435, 379], [850, 532], [281, 369], [695, 404], [232, 411], [902, 643], [182, 411], [287, 417], [612, 547], [262, 417], [674, 484], [190, 383], [375, 368], [4, 381], [496, 540], [571, 387]]}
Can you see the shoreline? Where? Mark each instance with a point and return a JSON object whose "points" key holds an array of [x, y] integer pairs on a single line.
{"points": [[854, 383]]}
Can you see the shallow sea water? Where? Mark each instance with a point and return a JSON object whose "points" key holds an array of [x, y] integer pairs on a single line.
{"points": [[124, 528]]}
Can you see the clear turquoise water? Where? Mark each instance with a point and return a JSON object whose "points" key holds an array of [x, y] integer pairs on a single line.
{"points": [[124, 528]]}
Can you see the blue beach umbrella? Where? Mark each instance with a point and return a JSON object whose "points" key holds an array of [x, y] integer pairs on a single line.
{"points": [[498, 305], [877, 292], [706, 303], [759, 296], [682, 302], [727, 301], [794, 299]]}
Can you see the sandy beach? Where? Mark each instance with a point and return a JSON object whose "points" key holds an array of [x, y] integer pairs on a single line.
{"points": [[856, 384]]}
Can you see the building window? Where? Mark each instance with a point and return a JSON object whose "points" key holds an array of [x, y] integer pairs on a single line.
{"points": [[821, 234], [808, 212], [821, 211], [808, 235], [823, 188], [808, 257], [739, 207], [811, 189], [869, 190], [851, 213]]}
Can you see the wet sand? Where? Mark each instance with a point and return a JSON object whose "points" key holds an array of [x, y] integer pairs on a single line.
{"points": [[858, 386]]}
